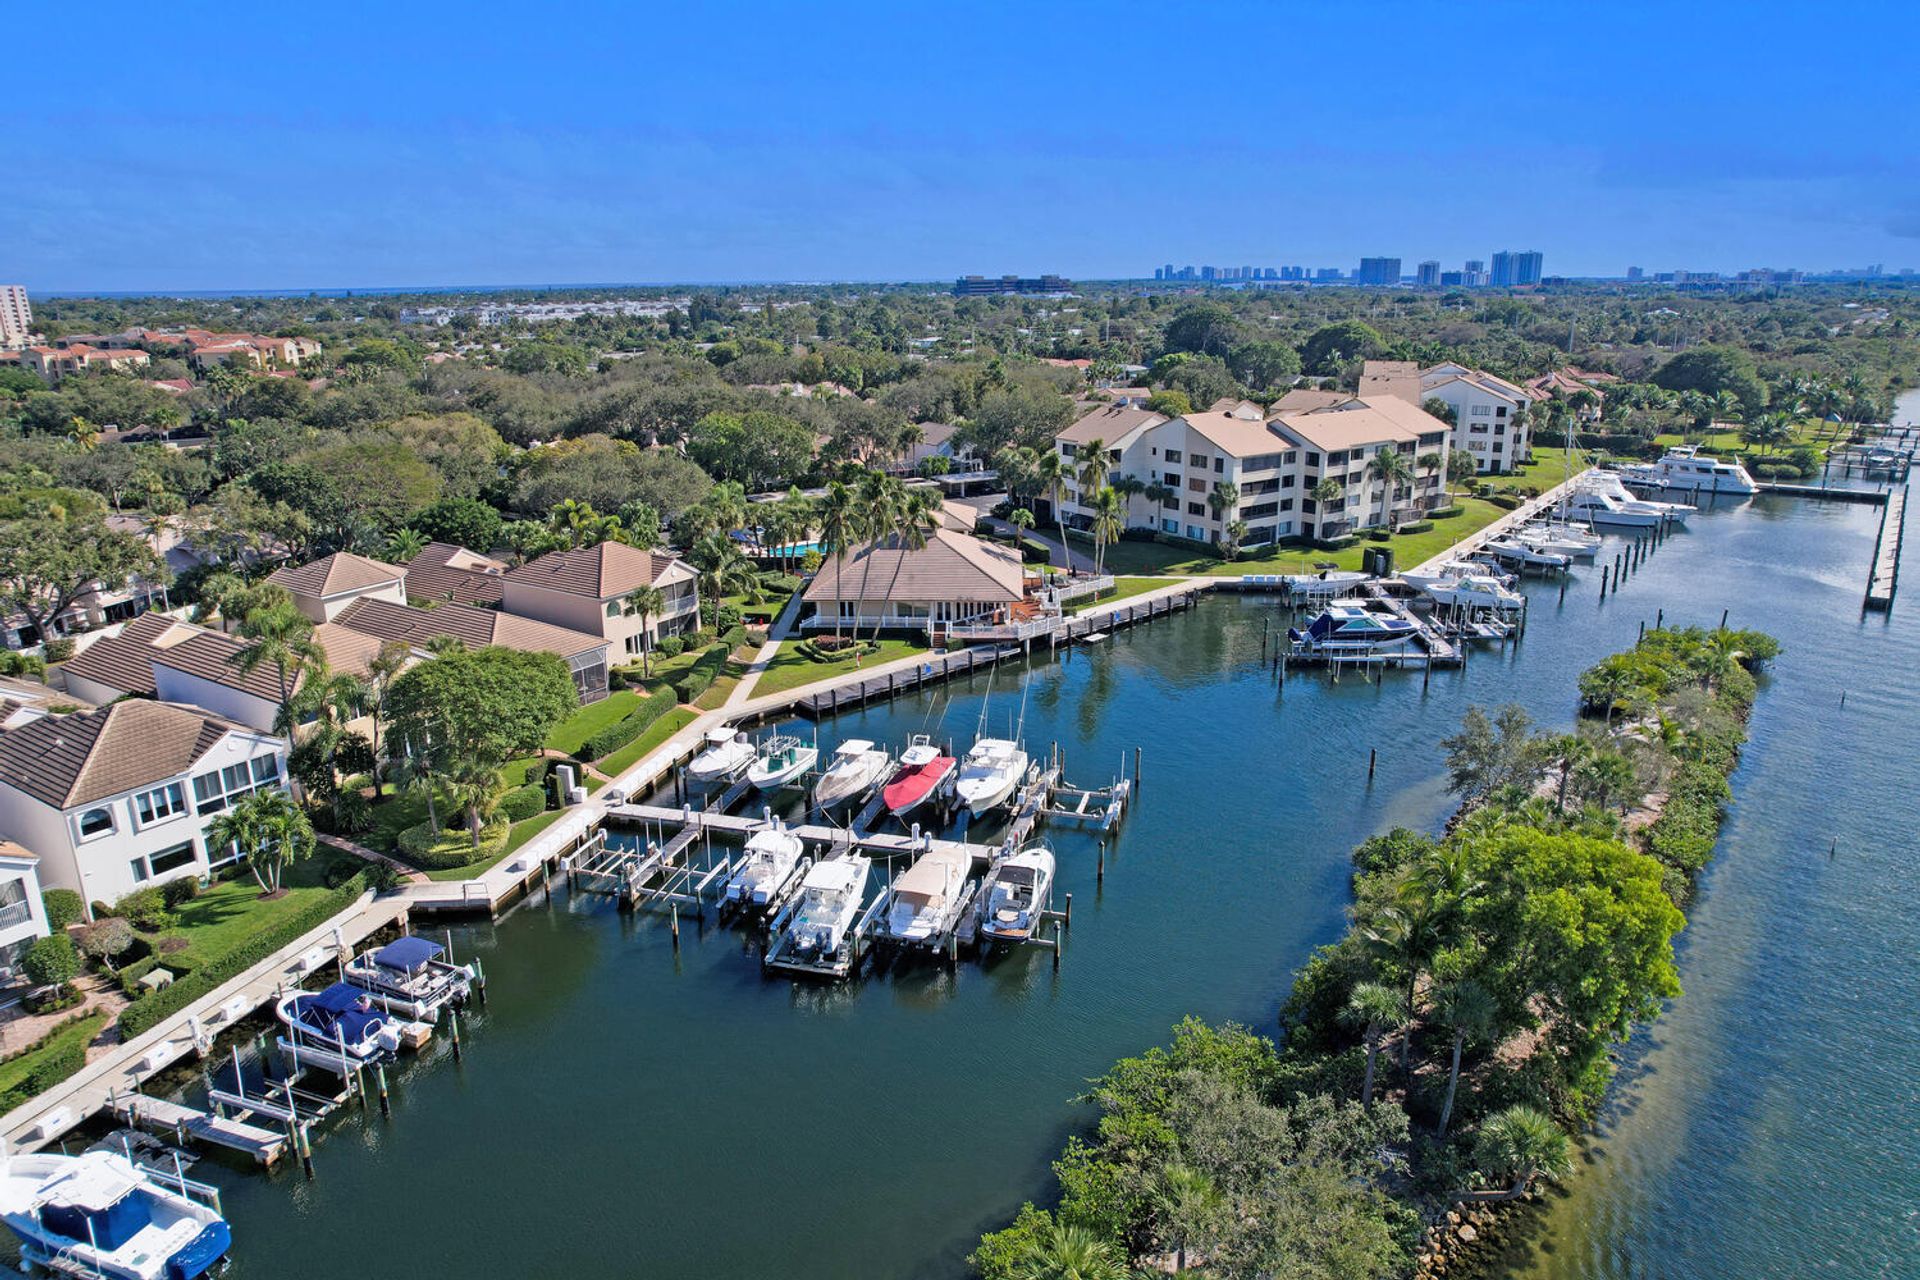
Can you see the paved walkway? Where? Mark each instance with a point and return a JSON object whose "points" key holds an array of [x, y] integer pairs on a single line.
{"points": [[1518, 516], [410, 875], [782, 629]]}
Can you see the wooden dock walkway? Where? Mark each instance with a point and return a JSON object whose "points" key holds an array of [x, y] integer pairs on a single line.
{"points": [[880, 843], [1884, 579], [187, 1123]]}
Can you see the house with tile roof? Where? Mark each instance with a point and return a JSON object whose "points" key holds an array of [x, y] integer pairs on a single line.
{"points": [[381, 622], [586, 590], [954, 578], [23, 913], [448, 571], [117, 799], [322, 588]]}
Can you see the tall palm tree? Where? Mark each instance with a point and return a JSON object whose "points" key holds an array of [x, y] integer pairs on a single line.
{"points": [[571, 518], [1222, 498], [1052, 473], [839, 524], [1461, 467], [282, 638], [84, 434], [1065, 1252], [880, 500], [723, 570], [269, 830], [797, 511], [728, 502], [1376, 1009], [1109, 522], [1430, 464], [416, 768], [1519, 1145], [1095, 466], [1565, 752], [917, 517], [387, 662], [1468, 1010], [1393, 469], [1191, 1205], [475, 786], [644, 603]]}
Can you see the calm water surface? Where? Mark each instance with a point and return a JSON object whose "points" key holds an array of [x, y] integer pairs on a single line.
{"points": [[626, 1111]]}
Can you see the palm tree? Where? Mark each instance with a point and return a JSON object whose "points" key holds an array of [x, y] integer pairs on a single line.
{"points": [[1064, 1252], [644, 603], [220, 594], [795, 513], [387, 662], [1468, 1009], [880, 500], [282, 638], [84, 434], [1393, 469], [1019, 470], [1191, 1205], [1236, 534], [1109, 522], [1430, 464], [404, 544], [476, 786], [838, 523], [723, 570], [1095, 466], [269, 830], [1051, 473], [1325, 494], [918, 516], [1565, 752], [415, 768], [571, 517], [1519, 1145], [728, 502], [1223, 497], [1375, 1008], [1461, 467], [1159, 495]]}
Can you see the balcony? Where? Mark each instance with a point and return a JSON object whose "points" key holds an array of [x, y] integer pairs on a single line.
{"points": [[15, 913]]}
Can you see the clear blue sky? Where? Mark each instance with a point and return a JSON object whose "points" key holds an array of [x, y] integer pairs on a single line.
{"points": [[390, 144]]}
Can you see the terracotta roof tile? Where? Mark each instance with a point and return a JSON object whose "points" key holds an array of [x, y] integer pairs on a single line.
{"points": [[476, 628], [952, 566], [331, 575], [602, 572], [64, 761]]}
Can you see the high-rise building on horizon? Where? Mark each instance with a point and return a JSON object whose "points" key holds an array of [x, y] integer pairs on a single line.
{"points": [[987, 286], [1427, 274], [16, 315], [1636, 273], [1512, 269], [1378, 271]]}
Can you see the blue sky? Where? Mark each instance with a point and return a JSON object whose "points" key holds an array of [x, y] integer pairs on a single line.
{"points": [[415, 144]]}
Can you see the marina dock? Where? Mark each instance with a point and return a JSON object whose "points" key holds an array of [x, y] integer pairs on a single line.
{"points": [[186, 1124], [1884, 580]]}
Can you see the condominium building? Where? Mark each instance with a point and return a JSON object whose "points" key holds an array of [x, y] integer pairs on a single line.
{"points": [[1427, 274], [587, 589], [16, 316], [1379, 271], [1490, 413], [116, 799], [1513, 268], [55, 363], [23, 914]]}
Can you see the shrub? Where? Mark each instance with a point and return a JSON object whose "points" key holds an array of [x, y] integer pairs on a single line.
{"points": [[147, 909], [1378, 535], [1416, 526], [49, 1060], [352, 812], [522, 803], [670, 646], [810, 563], [129, 976], [175, 892], [433, 850], [1505, 501], [152, 1008], [105, 939], [1447, 512], [51, 961], [734, 637], [618, 735], [58, 649], [756, 636], [63, 907]]}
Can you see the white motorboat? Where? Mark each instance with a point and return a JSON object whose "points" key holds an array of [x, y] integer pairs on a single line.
{"points": [[1015, 894], [1477, 591], [1328, 584], [727, 752], [856, 768], [339, 1028], [1686, 469], [781, 759], [830, 899], [1448, 571], [927, 896], [772, 855], [1352, 629], [1510, 551], [924, 773], [1559, 539], [1599, 499], [101, 1215], [989, 774], [409, 978]]}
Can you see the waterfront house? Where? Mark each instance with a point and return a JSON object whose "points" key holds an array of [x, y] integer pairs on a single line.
{"points": [[381, 621], [23, 915], [586, 590], [322, 588], [1124, 428], [956, 577], [116, 799]]}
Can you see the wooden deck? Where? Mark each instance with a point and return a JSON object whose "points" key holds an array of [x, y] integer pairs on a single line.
{"points": [[163, 1117], [1884, 580]]}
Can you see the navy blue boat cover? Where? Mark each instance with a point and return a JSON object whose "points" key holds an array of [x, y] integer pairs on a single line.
{"points": [[406, 954]]}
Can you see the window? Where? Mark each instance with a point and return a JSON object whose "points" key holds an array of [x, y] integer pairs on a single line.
{"points": [[139, 868], [1173, 455], [1479, 411], [1286, 481], [219, 788], [266, 768], [1170, 501], [1196, 459], [1313, 459], [1196, 508], [1169, 526], [160, 803], [1260, 510], [173, 859], [1286, 504], [1068, 448], [613, 608], [1219, 465], [1501, 412], [95, 822], [1500, 429], [1172, 478], [1261, 462], [1195, 532]]}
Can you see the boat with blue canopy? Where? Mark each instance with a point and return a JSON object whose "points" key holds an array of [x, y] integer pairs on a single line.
{"points": [[1352, 629], [101, 1215], [412, 977], [339, 1028]]}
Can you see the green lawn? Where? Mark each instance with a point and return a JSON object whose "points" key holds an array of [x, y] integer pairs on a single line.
{"points": [[631, 754], [230, 911], [589, 720], [1811, 432], [77, 1035], [1408, 549], [790, 668]]}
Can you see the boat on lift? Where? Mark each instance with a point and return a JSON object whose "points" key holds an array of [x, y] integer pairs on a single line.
{"points": [[1477, 591], [1686, 469], [726, 753], [101, 1215], [1509, 551], [1449, 570], [993, 767], [1352, 630], [923, 773], [339, 1028], [1014, 896], [856, 768], [408, 977], [1560, 539], [830, 899], [766, 868], [780, 760], [1325, 585], [928, 895]]}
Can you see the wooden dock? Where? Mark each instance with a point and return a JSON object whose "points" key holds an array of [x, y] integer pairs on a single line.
{"points": [[936, 668], [1884, 580], [161, 1116]]}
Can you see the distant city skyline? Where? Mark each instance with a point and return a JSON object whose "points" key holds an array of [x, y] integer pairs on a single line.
{"points": [[869, 143]]}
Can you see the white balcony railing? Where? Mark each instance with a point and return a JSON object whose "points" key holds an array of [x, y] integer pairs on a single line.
{"points": [[15, 913]]}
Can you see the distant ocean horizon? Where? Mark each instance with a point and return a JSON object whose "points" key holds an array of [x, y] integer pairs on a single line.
{"points": [[336, 291]]}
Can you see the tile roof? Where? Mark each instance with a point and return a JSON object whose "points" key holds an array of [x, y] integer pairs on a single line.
{"points": [[448, 571], [603, 571], [1112, 423], [215, 656], [125, 661], [1305, 400], [1236, 436], [331, 575], [1337, 430], [952, 566], [1397, 378], [17, 852], [1409, 417], [476, 628], [64, 761]]}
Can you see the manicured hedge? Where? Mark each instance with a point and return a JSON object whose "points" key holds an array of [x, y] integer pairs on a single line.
{"points": [[620, 733], [433, 850], [1447, 512], [821, 649], [149, 1010], [706, 669], [1416, 526], [670, 646], [47, 1061], [522, 803], [1506, 501], [63, 907], [735, 636]]}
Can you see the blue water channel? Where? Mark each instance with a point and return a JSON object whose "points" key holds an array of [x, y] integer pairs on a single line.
{"points": [[626, 1109]]}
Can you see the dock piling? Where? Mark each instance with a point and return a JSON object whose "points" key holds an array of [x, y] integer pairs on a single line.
{"points": [[1066, 917], [454, 1026], [1373, 758], [380, 1081]]}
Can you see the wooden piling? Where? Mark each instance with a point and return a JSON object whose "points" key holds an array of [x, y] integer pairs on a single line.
{"points": [[1373, 758], [1659, 618], [454, 1024], [380, 1081], [1604, 570], [1100, 869], [1067, 915], [1136, 768]]}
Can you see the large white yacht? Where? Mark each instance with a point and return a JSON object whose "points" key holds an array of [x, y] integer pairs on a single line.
{"points": [[1599, 499], [1685, 468]]}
